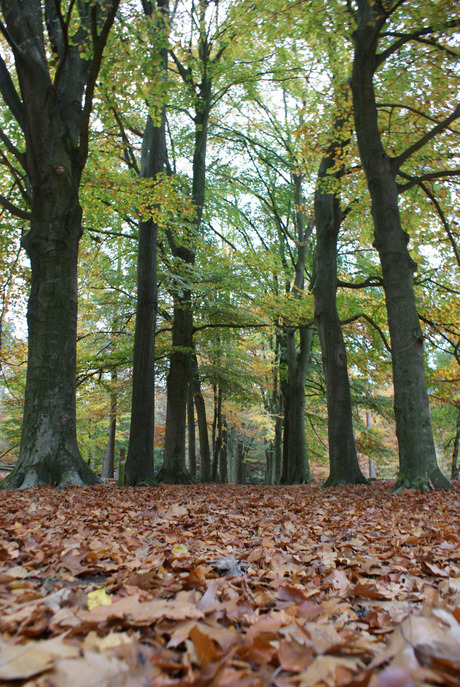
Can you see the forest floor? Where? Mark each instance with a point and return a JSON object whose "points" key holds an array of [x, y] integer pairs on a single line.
{"points": [[229, 586]]}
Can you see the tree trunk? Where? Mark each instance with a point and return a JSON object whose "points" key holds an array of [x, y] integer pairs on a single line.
{"points": [[216, 433], [108, 465], [343, 458], [191, 432], [298, 469], [454, 467], [49, 451], [240, 465], [200, 407], [52, 111], [418, 468], [139, 468], [223, 467], [173, 470]]}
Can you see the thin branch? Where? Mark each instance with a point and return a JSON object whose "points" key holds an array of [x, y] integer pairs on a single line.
{"points": [[220, 325], [402, 106], [400, 159], [443, 219], [413, 181], [404, 38], [373, 324]]}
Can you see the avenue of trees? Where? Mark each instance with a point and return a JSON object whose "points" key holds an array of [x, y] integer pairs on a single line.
{"points": [[233, 226]]}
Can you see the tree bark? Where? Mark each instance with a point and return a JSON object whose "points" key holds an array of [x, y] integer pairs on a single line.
{"points": [[200, 407], [173, 470], [454, 466], [53, 111], [343, 458], [298, 469], [108, 465], [418, 468], [191, 432]]}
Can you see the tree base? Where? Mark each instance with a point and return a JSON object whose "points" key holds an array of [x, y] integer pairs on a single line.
{"points": [[333, 481], [422, 482], [30, 476], [174, 477]]}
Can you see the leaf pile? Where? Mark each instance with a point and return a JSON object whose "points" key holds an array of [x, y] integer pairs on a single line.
{"points": [[229, 585]]}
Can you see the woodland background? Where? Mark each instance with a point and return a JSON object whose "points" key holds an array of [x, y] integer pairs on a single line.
{"points": [[272, 72]]}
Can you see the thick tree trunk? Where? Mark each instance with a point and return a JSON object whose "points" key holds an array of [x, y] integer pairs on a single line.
{"points": [[418, 468], [173, 470], [454, 466], [49, 452], [52, 111], [298, 469], [343, 458], [139, 468], [191, 432]]}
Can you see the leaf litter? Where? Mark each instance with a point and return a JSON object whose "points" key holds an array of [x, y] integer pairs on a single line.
{"points": [[229, 585]]}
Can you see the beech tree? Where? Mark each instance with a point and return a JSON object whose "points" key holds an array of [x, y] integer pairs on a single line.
{"points": [[343, 458], [139, 463], [417, 456], [47, 80]]}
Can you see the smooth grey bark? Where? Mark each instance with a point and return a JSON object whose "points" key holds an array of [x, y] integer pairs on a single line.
{"points": [[52, 109], [139, 468], [418, 468], [343, 458]]}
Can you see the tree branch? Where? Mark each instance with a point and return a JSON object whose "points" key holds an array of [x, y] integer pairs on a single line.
{"points": [[372, 323], [371, 281], [17, 212], [443, 219], [414, 35], [400, 159], [413, 181], [10, 94]]}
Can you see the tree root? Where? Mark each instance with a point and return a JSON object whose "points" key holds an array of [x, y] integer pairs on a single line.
{"points": [[342, 481], [174, 477], [422, 482]]}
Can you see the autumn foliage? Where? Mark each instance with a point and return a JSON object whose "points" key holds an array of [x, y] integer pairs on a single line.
{"points": [[229, 585]]}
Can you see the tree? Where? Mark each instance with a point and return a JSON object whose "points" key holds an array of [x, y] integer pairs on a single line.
{"points": [[139, 467], [56, 58], [197, 70], [343, 459], [417, 458]]}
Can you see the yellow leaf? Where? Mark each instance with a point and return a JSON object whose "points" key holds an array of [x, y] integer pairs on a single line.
{"points": [[179, 550], [98, 598]]}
